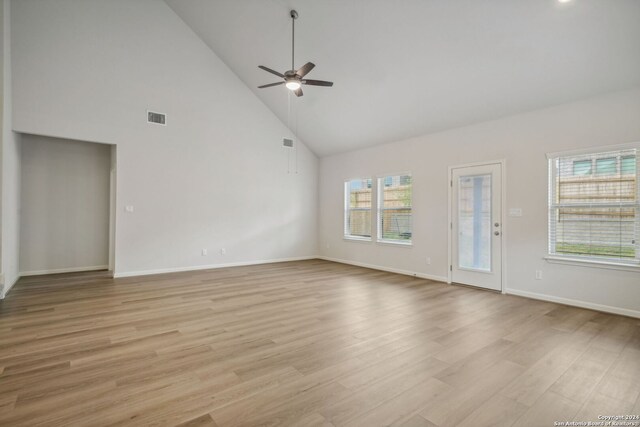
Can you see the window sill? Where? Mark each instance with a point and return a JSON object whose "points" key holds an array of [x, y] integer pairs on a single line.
{"points": [[357, 239], [396, 243], [611, 265]]}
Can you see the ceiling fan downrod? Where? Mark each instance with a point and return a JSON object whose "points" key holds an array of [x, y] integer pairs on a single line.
{"points": [[294, 16]]}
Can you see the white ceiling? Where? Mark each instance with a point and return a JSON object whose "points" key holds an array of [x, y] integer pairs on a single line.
{"points": [[419, 66]]}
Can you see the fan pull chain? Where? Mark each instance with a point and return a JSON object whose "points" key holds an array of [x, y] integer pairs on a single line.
{"points": [[289, 127], [296, 137]]}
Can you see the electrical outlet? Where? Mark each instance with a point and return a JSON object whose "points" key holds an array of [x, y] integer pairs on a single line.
{"points": [[223, 251], [328, 246], [428, 260], [204, 252], [538, 274]]}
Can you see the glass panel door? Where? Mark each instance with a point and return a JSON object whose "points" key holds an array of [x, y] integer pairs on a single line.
{"points": [[474, 222], [476, 225]]}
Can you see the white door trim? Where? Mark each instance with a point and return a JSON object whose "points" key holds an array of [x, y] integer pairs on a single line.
{"points": [[113, 190], [503, 251]]}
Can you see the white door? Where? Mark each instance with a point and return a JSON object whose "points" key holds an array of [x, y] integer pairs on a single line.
{"points": [[476, 226]]}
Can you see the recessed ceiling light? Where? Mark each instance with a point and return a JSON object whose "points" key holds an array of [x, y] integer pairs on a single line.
{"points": [[564, 1]]}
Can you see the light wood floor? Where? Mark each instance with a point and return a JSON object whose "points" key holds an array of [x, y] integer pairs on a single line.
{"points": [[308, 343]]}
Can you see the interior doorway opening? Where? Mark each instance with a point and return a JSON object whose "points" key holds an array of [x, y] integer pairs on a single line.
{"points": [[67, 206]]}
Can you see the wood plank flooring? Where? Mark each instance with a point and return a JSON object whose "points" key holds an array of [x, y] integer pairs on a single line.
{"points": [[309, 343]]}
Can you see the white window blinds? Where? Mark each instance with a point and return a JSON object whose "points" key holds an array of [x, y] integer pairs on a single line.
{"points": [[394, 208], [594, 206], [357, 208]]}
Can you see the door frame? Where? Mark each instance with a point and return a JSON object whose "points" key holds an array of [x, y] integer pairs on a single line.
{"points": [[113, 191], [503, 195]]}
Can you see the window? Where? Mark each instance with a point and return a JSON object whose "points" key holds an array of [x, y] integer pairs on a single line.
{"points": [[606, 166], [394, 209], [582, 167], [357, 209], [628, 165], [595, 217]]}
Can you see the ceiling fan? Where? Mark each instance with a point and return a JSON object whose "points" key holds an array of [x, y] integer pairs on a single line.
{"points": [[293, 79]]}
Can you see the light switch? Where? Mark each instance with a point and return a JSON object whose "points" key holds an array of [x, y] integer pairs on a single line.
{"points": [[515, 211], [128, 208]]}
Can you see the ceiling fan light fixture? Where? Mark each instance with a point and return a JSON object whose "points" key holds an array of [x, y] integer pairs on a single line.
{"points": [[294, 79], [293, 85]]}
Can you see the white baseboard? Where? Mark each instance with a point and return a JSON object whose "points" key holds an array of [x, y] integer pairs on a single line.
{"points": [[388, 269], [532, 295], [63, 270], [575, 303], [4, 291], [208, 267]]}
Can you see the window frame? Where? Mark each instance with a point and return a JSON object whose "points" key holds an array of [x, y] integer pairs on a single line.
{"points": [[347, 208], [380, 186], [584, 260]]}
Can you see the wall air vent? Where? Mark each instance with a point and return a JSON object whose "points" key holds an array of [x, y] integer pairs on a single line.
{"points": [[287, 142], [158, 118]]}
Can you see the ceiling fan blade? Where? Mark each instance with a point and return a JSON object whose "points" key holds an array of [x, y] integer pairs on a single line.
{"points": [[271, 84], [304, 70], [269, 70], [317, 83], [298, 91]]}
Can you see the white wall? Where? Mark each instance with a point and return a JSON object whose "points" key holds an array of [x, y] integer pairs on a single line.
{"points": [[215, 177], [10, 152], [2, 126], [64, 209], [523, 141]]}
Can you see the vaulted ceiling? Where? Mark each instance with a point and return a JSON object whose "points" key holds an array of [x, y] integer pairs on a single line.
{"points": [[418, 66]]}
